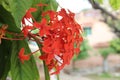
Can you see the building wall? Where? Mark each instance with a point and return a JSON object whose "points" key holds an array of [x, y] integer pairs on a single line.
{"points": [[100, 34], [100, 31]]}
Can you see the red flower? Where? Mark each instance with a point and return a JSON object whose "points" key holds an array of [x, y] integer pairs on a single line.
{"points": [[59, 44], [22, 56], [61, 38], [44, 27], [26, 30]]}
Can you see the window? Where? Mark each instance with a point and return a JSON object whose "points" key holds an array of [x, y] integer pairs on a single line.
{"points": [[87, 31]]}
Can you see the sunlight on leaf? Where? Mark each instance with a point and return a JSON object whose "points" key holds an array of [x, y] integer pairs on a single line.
{"points": [[115, 4]]}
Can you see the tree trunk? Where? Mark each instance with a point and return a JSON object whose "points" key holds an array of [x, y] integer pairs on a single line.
{"points": [[73, 65], [105, 65]]}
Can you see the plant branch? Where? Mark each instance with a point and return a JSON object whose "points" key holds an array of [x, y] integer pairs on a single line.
{"points": [[107, 14], [95, 5]]}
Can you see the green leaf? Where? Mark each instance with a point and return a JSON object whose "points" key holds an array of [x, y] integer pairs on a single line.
{"points": [[115, 44], [37, 14], [18, 9], [5, 55], [1, 1], [115, 4], [52, 5], [6, 18], [100, 1], [5, 4], [19, 71]]}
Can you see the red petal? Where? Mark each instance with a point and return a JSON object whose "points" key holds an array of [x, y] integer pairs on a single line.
{"points": [[43, 57], [31, 10], [28, 14], [26, 29], [36, 24], [22, 50], [23, 57], [47, 49]]}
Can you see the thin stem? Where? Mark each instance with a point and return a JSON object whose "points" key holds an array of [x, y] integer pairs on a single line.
{"points": [[15, 34], [35, 51], [46, 72], [47, 75], [58, 77], [12, 38]]}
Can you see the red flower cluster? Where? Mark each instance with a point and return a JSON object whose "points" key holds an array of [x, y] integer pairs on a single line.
{"points": [[61, 36]]}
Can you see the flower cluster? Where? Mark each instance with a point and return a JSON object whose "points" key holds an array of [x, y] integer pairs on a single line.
{"points": [[61, 36]]}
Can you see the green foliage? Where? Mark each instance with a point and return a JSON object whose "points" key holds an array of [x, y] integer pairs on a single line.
{"points": [[115, 4], [105, 75], [5, 55], [18, 9], [7, 18], [116, 45], [5, 5], [106, 51], [1, 1], [83, 52], [19, 71]]}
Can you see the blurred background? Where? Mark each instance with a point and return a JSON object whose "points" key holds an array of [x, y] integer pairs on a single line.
{"points": [[99, 58]]}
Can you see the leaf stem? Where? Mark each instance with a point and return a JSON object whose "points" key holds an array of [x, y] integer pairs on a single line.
{"points": [[13, 38], [46, 72], [15, 34], [47, 75]]}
